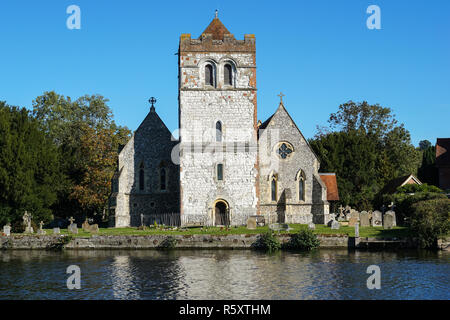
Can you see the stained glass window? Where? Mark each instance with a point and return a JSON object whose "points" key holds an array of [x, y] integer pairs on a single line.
{"points": [[274, 189], [220, 171], [284, 151]]}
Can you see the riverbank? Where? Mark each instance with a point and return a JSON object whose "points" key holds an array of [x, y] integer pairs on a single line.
{"points": [[187, 241]]}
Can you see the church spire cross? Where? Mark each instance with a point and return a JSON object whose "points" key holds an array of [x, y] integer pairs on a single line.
{"points": [[281, 95], [152, 100]]}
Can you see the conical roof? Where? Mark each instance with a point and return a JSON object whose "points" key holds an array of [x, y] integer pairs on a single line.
{"points": [[217, 29]]}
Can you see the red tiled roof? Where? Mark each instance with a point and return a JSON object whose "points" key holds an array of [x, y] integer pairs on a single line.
{"points": [[331, 183], [443, 152], [217, 29]]}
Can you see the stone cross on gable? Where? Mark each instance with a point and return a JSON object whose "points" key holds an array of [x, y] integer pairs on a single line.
{"points": [[71, 220], [281, 95]]}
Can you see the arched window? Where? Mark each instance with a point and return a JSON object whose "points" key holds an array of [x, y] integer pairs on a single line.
{"points": [[209, 75], [162, 179], [228, 75], [273, 187], [220, 172], [301, 188], [218, 131], [141, 177]]}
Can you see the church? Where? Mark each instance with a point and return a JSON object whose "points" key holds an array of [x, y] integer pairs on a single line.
{"points": [[226, 165]]}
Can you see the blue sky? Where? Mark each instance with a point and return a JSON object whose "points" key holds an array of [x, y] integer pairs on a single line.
{"points": [[318, 53]]}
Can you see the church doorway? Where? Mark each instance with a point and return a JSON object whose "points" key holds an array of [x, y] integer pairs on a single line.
{"points": [[221, 213]]}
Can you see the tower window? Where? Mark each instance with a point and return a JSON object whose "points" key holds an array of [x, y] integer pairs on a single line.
{"points": [[218, 131], [228, 75], [220, 172], [274, 189], [141, 177], [209, 75], [163, 176]]}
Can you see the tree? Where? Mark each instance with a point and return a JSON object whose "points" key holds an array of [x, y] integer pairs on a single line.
{"points": [[29, 167], [366, 149], [424, 145], [70, 124], [428, 172]]}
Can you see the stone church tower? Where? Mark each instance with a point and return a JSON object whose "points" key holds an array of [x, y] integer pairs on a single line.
{"points": [[217, 120]]}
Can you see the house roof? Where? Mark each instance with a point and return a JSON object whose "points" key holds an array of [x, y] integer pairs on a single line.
{"points": [[217, 29], [443, 152], [396, 183], [329, 179]]}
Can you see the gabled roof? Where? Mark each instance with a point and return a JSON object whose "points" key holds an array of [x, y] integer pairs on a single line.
{"points": [[329, 179], [443, 152], [396, 183], [281, 108], [217, 29]]}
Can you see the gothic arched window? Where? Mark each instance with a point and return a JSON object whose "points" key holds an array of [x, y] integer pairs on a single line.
{"points": [[220, 172], [209, 75], [162, 179], [218, 131], [273, 187], [301, 188], [141, 177], [228, 75]]}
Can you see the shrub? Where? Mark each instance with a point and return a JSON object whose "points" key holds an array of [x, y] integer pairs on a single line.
{"points": [[404, 202], [305, 240], [414, 188], [267, 242], [430, 220], [168, 243]]}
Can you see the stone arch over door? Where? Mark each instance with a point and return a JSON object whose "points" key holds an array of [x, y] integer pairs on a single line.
{"points": [[221, 213]]}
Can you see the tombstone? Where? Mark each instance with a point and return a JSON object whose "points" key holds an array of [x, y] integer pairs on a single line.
{"points": [[279, 227], [27, 222], [56, 231], [72, 228], [377, 219], [357, 230], [251, 223], [335, 225], [85, 226], [389, 220], [94, 228], [7, 230], [364, 219], [311, 226], [354, 214], [352, 221], [41, 231]]}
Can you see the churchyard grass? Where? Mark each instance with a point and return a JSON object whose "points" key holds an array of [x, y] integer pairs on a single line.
{"points": [[371, 232]]}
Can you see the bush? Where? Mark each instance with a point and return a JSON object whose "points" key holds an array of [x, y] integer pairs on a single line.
{"points": [[430, 220], [267, 242], [414, 188], [404, 202], [305, 240]]}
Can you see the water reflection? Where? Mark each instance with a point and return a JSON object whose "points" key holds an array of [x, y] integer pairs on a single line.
{"points": [[224, 274]]}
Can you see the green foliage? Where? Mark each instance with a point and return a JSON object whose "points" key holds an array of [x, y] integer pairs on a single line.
{"points": [[85, 160], [304, 240], [428, 172], [424, 145], [430, 220], [367, 151], [168, 243], [267, 242], [414, 188], [405, 201], [29, 167]]}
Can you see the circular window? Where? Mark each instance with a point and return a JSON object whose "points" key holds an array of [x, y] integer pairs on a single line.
{"points": [[284, 150]]}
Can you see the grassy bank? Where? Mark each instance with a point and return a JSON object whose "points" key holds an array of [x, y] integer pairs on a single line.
{"points": [[398, 232]]}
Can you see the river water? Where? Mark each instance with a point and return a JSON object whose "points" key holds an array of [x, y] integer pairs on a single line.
{"points": [[224, 274]]}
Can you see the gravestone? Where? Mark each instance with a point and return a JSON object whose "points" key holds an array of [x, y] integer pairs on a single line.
{"points": [[251, 223], [72, 228], [357, 230], [7, 230], [364, 219], [335, 225], [85, 226], [41, 231], [354, 214], [27, 222], [56, 231], [279, 227], [352, 221], [93, 228], [377, 219], [311, 226], [389, 220]]}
